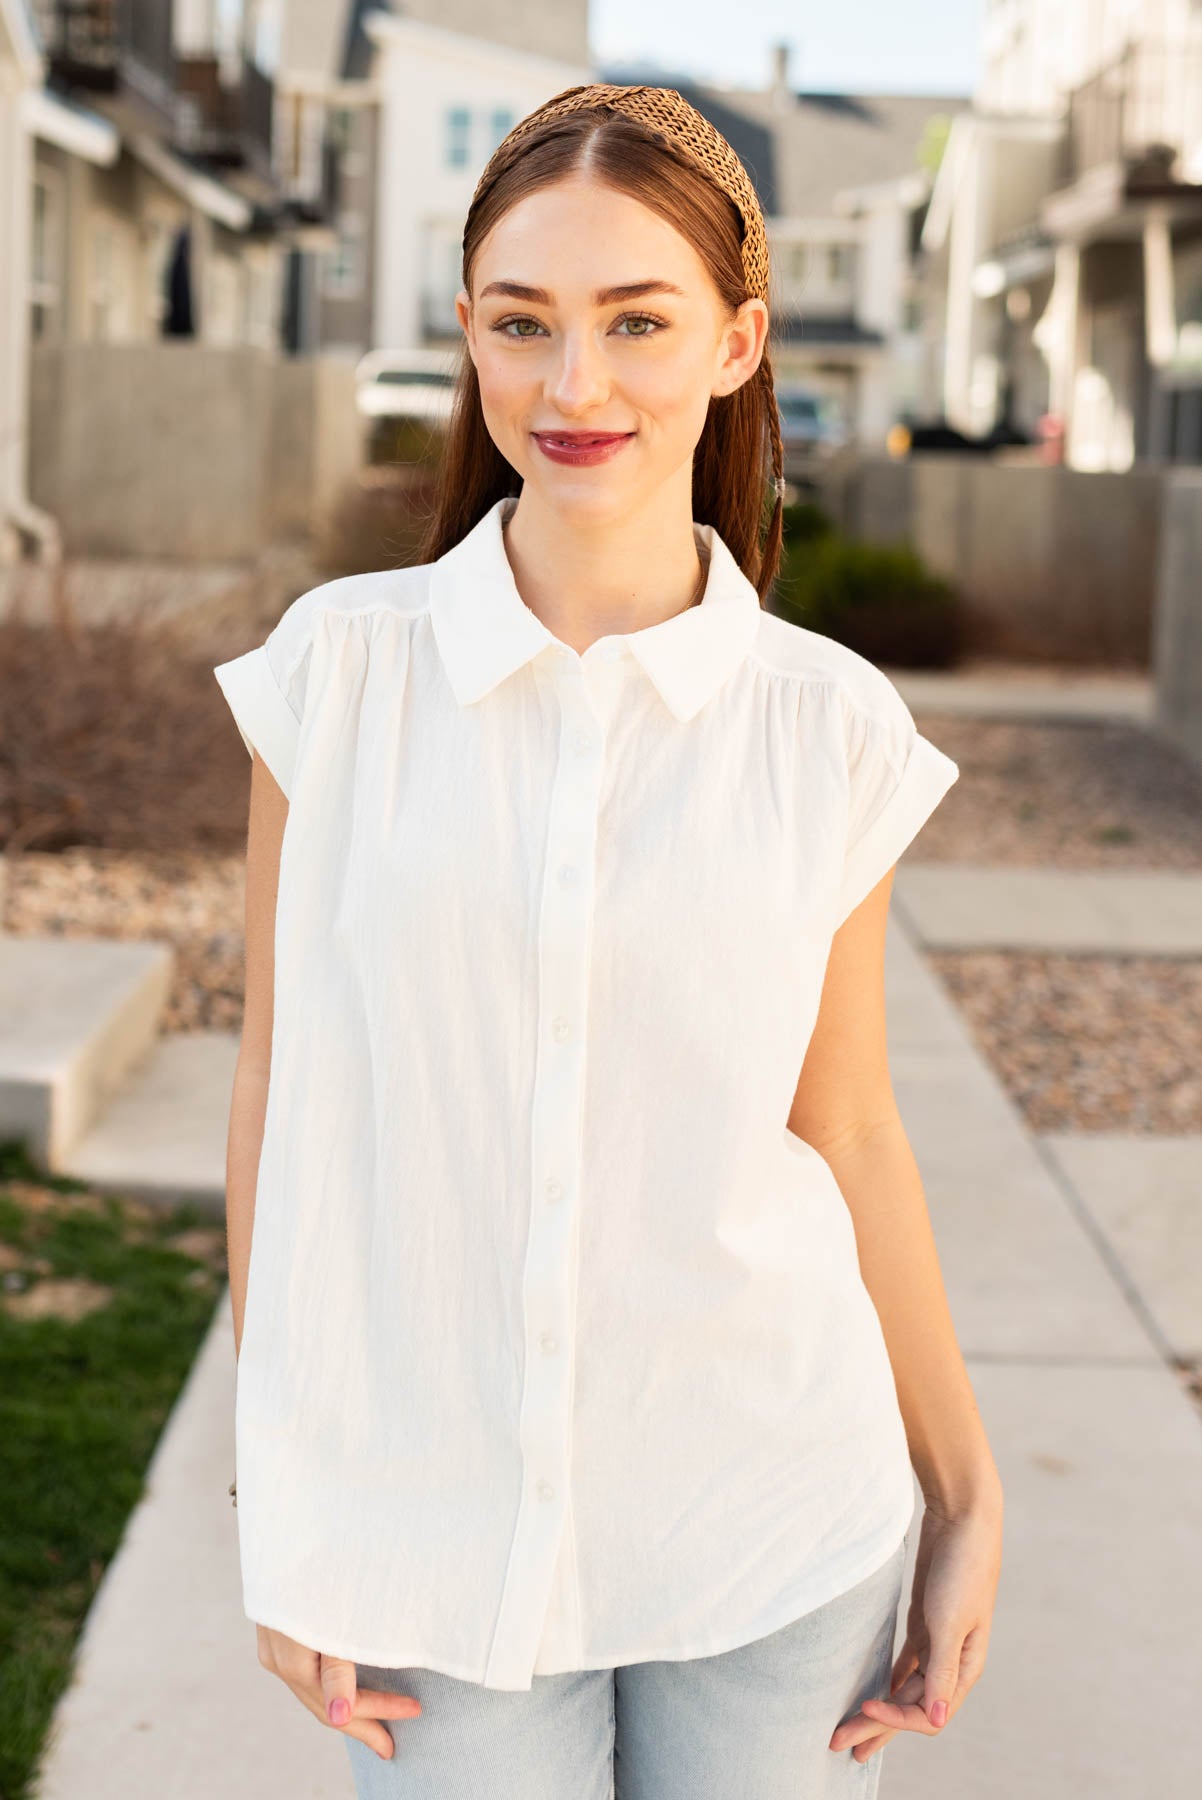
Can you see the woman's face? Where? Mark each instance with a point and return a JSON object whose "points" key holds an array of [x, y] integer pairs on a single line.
{"points": [[559, 349]]}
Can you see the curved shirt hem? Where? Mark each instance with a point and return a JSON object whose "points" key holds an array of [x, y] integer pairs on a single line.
{"points": [[816, 1595]]}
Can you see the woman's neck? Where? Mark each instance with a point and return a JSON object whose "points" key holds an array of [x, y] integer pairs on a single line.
{"points": [[586, 584]]}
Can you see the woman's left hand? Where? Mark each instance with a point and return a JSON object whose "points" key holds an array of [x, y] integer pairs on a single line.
{"points": [[956, 1575]]}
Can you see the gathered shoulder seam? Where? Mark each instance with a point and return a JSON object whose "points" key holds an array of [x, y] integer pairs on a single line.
{"points": [[330, 610], [817, 677]]}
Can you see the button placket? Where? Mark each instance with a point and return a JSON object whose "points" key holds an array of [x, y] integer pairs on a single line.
{"points": [[564, 928]]}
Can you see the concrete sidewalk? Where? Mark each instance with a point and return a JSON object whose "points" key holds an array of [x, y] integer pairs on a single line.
{"points": [[1095, 1660], [1095, 1646], [1121, 912]]}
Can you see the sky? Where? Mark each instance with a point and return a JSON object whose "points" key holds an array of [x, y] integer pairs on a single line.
{"points": [[881, 46]]}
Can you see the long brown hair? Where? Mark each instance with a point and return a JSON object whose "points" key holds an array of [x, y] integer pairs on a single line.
{"points": [[739, 451]]}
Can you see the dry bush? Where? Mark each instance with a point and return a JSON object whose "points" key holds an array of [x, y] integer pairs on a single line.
{"points": [[116, 735], [379, 519]]}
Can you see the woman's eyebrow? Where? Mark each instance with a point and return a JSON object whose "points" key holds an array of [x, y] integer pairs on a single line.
{"points": [[628, 290]]}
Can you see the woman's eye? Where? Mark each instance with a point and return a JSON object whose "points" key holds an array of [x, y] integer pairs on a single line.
{"points": [[641, 319]]}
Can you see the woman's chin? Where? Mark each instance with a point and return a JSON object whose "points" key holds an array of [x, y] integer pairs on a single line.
{"points": [[584, 493]]}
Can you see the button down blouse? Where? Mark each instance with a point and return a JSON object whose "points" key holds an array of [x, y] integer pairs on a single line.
{"points": [[556, 1353]]}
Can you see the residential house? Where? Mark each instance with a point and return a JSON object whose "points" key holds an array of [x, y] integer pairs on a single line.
{"points": [[357, 117], [180, 226], [327, 122], [1067, 223], [446, 100]]}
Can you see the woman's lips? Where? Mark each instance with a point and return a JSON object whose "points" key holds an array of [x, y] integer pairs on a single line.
{"points": [[581, 447]]}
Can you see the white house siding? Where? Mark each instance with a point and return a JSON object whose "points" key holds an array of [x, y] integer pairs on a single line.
{"points": [[422, 202], [20, 73]]}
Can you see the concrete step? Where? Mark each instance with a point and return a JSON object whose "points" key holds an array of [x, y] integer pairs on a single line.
{"points": [[76, 1016], [1035, 693], [1121, 912], [163, 1136]]}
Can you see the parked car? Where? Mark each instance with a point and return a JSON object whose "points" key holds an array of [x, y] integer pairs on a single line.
{"points": [[405, 384], [809, 426], [938, 434]]}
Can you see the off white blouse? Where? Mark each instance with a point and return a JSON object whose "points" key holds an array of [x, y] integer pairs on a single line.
{"points": [[556, 1351]]}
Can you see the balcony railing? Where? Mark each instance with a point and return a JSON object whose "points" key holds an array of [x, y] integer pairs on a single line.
{"points": [[229, 125], [1148, 100], [100, 43]]}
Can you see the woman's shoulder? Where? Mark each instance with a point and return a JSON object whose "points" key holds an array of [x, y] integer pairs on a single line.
{"points": [[797, 653], [405, 591]]}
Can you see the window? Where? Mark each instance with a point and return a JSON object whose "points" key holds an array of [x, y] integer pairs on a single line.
{"points": [[501, 123], [838, 263], [342, 268], [339, 127], [44, 255], [458, 137]]}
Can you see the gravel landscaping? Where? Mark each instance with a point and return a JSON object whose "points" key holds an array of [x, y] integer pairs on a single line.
{"points": [[1087, 1043], [1067, 795]]}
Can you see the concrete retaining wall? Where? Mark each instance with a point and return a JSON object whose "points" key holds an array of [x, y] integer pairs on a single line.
{"points": [[1049, 562], [188, 451]]}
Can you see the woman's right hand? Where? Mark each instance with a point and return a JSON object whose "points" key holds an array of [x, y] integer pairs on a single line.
{"points": [[328, 1686]]}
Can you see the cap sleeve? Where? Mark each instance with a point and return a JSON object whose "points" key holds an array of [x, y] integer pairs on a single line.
{"points": [[896, 779], [265, 688]]}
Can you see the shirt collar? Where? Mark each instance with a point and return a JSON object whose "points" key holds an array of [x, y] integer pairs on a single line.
{"points": [[485, 630]]}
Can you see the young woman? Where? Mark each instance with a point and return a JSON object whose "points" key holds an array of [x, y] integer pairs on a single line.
{"points": [[593, 1331]]}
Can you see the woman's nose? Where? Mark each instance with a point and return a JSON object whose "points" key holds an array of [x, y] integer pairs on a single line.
{"points": [[579, 374]]}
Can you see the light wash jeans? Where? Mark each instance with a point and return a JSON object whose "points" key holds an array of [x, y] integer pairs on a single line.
{"points": [[751, 1723]]}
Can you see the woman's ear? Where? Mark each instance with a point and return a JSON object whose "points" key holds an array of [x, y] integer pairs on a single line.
{"points": [[463, 312], [741, 347]]}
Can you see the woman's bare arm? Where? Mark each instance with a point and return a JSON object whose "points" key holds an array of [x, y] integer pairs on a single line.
{"points": [[265, 831], [845, 1107]]}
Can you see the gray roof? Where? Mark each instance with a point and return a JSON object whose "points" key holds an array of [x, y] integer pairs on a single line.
{"points": [[751, 141], [828, 142], [802, 155]]}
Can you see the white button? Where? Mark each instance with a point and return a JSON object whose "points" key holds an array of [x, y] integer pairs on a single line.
{"points": [[583, 741], [545, 1491], [546, 1341], [561, 1028], [563, 650], [552, 1188], [612, 652], [567, 874]]}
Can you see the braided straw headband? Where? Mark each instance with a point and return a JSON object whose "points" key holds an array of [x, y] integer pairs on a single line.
{"points": [[684, 130]]}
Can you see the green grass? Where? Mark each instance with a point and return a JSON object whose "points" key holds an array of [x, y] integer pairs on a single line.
{"points": [[82, 1403]]}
